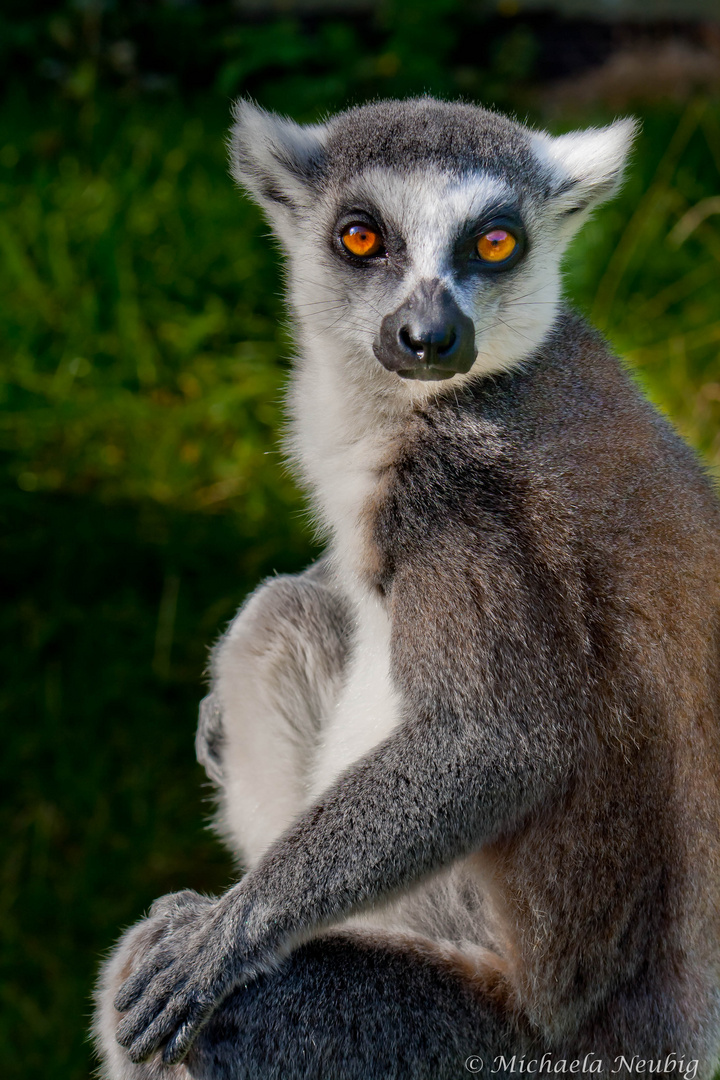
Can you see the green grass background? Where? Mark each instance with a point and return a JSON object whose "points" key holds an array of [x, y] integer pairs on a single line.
{"points": [[142, 355]]}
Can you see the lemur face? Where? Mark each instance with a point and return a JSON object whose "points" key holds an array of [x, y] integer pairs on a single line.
{"points": [[423, 238], [437, 291]]}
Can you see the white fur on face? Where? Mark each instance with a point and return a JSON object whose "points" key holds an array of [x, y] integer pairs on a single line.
{"points": [[340, 309]]}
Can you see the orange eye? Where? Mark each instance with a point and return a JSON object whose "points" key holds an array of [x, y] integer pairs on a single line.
{"points": [[362, 240], [496, 245]]}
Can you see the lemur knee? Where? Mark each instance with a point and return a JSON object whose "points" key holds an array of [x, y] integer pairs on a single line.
{"points": [[291, 611], [289, 616], [290, 639]]}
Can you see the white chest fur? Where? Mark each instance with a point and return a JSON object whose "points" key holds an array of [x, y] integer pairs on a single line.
{"points": [[342, 440], [368, 708]]}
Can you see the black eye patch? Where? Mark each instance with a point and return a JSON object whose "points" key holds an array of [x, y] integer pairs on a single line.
{"points": [[472, 256], [391, 250]]}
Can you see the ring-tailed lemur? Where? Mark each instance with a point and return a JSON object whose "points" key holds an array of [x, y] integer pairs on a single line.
{"points": [[472, 756]]}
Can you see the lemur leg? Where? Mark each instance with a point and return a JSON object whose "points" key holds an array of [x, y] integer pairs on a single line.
{"points": [[347, 1006], [356, 1006], [276, 674]]}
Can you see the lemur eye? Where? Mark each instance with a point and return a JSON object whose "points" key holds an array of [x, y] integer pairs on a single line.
{"points": [[496, 245], [362, 240]]}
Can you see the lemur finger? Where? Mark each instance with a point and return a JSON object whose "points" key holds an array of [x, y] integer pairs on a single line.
{"points": [[133, 988], [164, 1026], [130, 992], [162, 993], [156, 960], [179, 1044], [139, 984], [139, 1019]]}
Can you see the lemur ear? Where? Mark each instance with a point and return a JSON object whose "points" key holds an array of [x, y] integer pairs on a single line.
{"points": [[585, 167], [276, 160]]}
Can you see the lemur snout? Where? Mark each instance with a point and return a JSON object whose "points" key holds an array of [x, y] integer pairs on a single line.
{"points": [[428, 337]]}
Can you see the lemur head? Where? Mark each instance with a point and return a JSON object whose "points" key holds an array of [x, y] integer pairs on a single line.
{"points": [[424, 237]]}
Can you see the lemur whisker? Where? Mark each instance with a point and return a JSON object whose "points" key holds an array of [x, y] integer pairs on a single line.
{"points": [[515, 330], [329, 308], [326, 300], [523, 296], [345, 297], [531, 303]]}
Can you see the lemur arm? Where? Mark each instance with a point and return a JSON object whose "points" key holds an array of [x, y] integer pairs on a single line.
{"points": [[477, 751]]}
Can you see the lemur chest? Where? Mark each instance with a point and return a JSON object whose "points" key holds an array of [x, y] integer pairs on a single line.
{"points": [[351, 485], [368, 707]]}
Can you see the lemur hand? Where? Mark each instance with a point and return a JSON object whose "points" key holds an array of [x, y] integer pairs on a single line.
{"points": [[203, 954]]}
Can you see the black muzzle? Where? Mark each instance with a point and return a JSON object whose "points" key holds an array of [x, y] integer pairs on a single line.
{"points": [[428, 337]]}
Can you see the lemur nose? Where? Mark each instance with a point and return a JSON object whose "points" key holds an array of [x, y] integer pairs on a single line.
{"points": [[428, 337], [431, 345]]}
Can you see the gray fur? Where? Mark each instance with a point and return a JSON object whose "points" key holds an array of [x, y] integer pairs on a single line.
{"points": [[516, 853], [401, 135]]}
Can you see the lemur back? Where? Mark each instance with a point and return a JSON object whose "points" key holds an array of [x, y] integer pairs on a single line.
{"points": [[471, 757]]}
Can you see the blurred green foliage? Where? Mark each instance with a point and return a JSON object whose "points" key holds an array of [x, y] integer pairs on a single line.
{"points": [[142, 334], [143, 350], [299, 55]]}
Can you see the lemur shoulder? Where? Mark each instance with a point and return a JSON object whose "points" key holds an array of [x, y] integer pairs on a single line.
{"points": [[471, 758]]}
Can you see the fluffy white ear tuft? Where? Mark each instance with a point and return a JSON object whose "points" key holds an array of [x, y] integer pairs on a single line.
{"points": [[276, 160], [585, 167]]}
